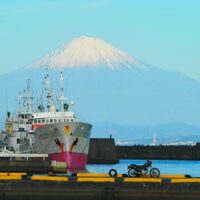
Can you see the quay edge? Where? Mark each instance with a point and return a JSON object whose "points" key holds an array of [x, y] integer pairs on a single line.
{"points": [[118, 190]]}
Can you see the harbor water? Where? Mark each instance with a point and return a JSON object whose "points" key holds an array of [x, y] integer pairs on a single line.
{"points": [[165, 166]]}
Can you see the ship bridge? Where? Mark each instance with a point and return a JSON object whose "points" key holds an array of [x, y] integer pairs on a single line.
{"points": [[53, 117]]}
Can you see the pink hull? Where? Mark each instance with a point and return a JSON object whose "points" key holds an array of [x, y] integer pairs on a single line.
{"points": [[74, 160]]}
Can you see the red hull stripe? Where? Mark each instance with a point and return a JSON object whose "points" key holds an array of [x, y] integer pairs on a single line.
{"points": [[34, 126], [74, 160]]}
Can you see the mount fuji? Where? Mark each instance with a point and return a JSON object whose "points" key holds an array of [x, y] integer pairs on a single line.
{"points": [[111, 87], [86, 51]]}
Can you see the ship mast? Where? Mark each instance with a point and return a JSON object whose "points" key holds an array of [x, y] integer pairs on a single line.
{"points": [[19, 99], [28, 99], [62, 97], [48, 90]]}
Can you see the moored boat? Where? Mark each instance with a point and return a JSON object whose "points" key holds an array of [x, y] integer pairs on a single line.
{"points": [[59, 133]]}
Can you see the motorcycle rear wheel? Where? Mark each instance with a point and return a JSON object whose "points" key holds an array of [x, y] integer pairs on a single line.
{"points": [[154, 173], [132, 173]]}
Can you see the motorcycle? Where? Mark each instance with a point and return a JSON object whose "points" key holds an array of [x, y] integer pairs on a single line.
{"points": [[141, 170]]}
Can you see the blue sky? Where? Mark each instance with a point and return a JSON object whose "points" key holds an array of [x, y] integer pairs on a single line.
{"points": [[163, 33]]}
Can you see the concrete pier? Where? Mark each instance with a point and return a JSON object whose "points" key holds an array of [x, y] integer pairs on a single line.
{"points": [[99, 188]]}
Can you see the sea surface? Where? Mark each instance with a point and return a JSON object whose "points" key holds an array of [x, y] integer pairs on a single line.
{"points": [[165, 166]]}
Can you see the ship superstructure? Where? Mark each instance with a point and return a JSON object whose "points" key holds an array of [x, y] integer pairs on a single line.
{"points": [[51, 114]]}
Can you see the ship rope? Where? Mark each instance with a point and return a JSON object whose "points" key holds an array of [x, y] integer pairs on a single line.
{"points": [[85, 146]]}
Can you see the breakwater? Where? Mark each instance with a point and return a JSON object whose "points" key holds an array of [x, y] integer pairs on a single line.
{"points": [[159, 152], [104, 151]]}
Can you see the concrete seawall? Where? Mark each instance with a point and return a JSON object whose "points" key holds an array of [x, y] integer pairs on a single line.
{"points": [[73, 189], [102, 151], [159, 152]]}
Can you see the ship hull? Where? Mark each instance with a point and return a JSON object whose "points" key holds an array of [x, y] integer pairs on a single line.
{"points": [[64, 142]]}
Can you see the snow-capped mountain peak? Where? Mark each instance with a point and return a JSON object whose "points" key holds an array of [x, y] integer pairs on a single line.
{"points": [[87, 51]]}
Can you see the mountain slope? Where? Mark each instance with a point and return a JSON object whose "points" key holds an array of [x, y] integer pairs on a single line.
{"points": [[120, 95]]}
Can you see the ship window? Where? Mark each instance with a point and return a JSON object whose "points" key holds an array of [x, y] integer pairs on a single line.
{"points": [[51, 120], [39, 121], [43, 121], [35, 121], [18, 140], [47, 121], [72, 120], [55, 120]]}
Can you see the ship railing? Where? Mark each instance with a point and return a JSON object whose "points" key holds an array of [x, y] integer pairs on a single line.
{"points": [[23, 156]]}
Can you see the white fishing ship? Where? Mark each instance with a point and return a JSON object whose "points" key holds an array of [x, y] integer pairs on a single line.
{"points": [[50, 130]]}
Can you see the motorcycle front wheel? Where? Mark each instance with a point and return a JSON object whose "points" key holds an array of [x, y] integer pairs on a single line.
{"points": [[131, 173], [154, 173]]}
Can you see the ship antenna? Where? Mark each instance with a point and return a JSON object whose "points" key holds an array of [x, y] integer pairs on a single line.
{"points": [[28, 99], [62, 97], [19, 98]]}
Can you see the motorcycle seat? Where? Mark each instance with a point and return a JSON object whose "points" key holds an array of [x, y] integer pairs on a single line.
{"points": [[133, 165], [137, 166]]}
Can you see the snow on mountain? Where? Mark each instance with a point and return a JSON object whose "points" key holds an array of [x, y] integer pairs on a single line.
{"points": [[87, 51]]}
